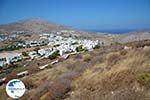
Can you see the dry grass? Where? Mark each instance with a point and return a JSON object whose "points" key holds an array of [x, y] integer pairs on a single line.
{"points": [[120, 82], [103, 74], [112, 59], [87, 58]]}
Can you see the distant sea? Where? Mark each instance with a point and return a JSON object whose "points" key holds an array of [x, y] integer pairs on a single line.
{"points": [[120, 31]]}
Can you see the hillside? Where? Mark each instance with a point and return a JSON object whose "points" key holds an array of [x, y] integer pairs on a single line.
{"points": [[32, 28], [35, 25], [108, 73], [133, 36]]}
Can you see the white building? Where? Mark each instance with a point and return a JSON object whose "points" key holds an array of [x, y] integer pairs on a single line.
{"points": [[3, 62], [45, 52], [7, 58], [33, 54]]}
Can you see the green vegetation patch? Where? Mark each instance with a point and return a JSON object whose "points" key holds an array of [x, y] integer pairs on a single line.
{"points": [[144, 80], [145, 77], [80, 48], [15, 65], [96, 47], [54, 55], [25, 54]]}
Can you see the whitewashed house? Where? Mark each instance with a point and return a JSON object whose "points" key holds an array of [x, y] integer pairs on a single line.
{"points": [[33, 54], [45, 52], [15, 58], [63, 48], [89, 44], [7, 58], [32, 43], [3, 62]]}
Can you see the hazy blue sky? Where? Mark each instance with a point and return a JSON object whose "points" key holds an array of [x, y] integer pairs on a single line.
{"points": [[83, 14]]}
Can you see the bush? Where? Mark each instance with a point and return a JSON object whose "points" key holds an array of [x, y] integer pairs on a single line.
{"points": [[78, 56], [29, 84], [77, 67], [123, 52], [36, 49], [33, 69], [54, 55], [80, 48], [113, 59], [11, 76], [96, 59], [74, 43], [144, 79], [49, 66], [96, 47], [40, 90], [56, 45], [58, 90], [87, 58], [15, 65], [24, 54], [11, 47]]}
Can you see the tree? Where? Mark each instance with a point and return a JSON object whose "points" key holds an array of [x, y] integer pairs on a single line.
{"points": [[96, 47], [25, 54], [54, 55], [80, 48]]}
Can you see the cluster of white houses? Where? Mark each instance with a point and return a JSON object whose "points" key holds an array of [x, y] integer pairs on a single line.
{"points": [[56, 42], [8, 58], [63, 45]]}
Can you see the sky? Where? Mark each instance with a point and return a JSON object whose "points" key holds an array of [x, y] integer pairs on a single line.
{"points": [[81, 14]]}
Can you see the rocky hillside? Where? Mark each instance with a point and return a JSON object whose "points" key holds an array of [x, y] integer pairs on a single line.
{"points": [[134, 36], [35, 25]]}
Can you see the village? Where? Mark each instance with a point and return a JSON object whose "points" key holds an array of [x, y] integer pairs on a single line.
{"points": [[56, 43]]}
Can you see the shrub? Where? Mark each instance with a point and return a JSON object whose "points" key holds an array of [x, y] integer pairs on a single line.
{"points": [[87, 58], [60, 87], [80, 48], [15, 65], [77, 67], [123, 52], [96, 47], [25, 54], [96, 59], [11, 47], [38, 64], [11, 76], [85, 49], [49, 66], [113, 58], [40, 90], [32, 69], [36, 49], [29, 84], [74, 43], [56, 45], [54, 55], [144, 79], [78, 56], [58, 90]]}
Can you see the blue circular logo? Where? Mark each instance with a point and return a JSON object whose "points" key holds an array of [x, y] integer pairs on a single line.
{"points": [[15, 88]]}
